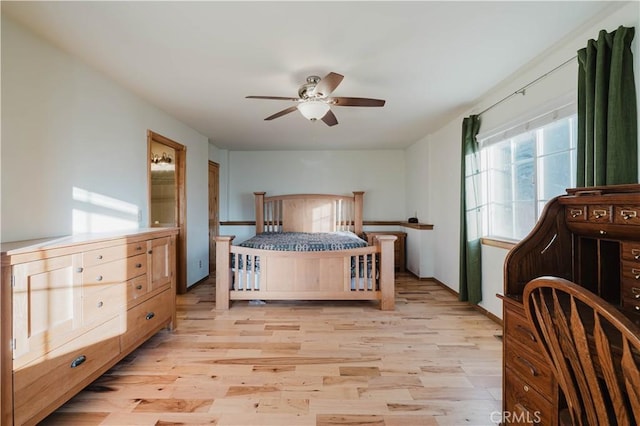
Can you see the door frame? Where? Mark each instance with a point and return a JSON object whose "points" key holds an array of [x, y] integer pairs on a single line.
{"points": [[215, 229], [181, 190]]}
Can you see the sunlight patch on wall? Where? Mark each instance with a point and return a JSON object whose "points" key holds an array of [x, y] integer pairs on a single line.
{"points": [[94, 212]]}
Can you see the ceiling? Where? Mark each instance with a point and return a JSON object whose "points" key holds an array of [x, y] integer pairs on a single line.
{"points": [[198, 60]]}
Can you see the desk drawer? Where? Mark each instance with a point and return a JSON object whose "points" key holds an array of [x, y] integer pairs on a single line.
{"points": [[631, 304], [524, 405], [631, 252], [518, 328], [530, 368], [49, 381], [627, 215], [599, 213]]}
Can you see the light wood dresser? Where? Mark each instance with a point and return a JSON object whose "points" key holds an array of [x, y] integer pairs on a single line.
{"points": [[73, 307]]}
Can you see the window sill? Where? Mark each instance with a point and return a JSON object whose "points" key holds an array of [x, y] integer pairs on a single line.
{"points": [[503, 244]]}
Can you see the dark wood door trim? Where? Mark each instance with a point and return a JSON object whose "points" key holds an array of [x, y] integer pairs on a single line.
{"points": [[214, 212]]}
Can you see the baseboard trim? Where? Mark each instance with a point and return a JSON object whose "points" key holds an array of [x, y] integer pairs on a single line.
{"points": [[478, 308], [197, 283]]}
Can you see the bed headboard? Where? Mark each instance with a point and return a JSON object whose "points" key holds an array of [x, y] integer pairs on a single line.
{"points": [[309, 212]]}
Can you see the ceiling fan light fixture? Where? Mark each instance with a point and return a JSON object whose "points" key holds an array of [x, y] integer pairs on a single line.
{"points": [[313, 110]]}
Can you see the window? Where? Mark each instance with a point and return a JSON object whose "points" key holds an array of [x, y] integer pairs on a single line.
{"points": [[521, 171]]}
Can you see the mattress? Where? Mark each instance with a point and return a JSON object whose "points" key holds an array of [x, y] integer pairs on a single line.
{"points": [[305, 241]]}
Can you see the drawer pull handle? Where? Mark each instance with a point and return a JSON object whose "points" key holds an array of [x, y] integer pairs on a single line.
{"points": [[636, 253], [150, 251], [100, 304], [138, 265], [79, 270], [99, 257], [637, 308], [139, 287], [636, 296], [138, 248], [599, 213], [78, 361], [527, 332], [530, 366], [636, 273], [635, 290], [99, 278], [150, 315], [603, 232], [628, 214], [575, 212]]}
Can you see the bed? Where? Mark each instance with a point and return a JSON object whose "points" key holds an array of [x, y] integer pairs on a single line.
{"points": [[325, 260]]}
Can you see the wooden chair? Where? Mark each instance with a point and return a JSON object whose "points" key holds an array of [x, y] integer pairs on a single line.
{"points": [[594, 351]]}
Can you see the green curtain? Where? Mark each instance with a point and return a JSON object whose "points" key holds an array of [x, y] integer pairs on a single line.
{"points": [[470, 247], [607, 111]]}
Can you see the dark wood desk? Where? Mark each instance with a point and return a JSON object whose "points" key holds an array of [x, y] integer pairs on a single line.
{"points": [[590, 236]]}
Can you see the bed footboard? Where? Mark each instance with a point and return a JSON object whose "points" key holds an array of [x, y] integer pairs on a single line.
{"points": [[365, 273]]}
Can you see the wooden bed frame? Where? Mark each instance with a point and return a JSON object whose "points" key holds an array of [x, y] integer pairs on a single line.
{"points": [[321, 275]]}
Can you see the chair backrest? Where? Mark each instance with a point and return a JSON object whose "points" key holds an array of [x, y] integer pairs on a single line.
{"points": [[594, 351]]}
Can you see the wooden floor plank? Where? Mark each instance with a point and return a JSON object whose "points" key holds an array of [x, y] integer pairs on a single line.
{"points": [[431, 361]]}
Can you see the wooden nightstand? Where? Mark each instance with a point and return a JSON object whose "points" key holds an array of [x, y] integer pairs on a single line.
{"points": [[399, 247]]}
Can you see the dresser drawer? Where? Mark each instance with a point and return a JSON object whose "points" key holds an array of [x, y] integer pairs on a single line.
{"points": [[100, 305], [137, 287], [118, 271], [50, 380], [529, 366], [147, 318], [134, 249], [524, 405], [109, 254]]}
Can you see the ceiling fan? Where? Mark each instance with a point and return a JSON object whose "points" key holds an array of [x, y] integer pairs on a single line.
{"points": [[314, 102]]}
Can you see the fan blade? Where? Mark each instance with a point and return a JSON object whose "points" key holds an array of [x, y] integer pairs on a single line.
{"points": [[328, 84], [277, 98], [362, 102], [283, 112], [330, 119]]}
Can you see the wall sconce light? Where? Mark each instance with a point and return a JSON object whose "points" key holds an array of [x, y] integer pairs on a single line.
{"points": [[164, 159]]}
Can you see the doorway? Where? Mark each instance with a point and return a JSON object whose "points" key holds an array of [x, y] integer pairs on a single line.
{"points": [[167, 195], [214, 219]]}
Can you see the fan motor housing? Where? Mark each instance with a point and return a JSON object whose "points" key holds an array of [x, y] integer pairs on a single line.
{"points": [[305, 89]]}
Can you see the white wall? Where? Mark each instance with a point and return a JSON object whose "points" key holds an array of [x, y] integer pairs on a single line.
{"points": [[442, 148], [74, 150], [417, 175], [380, 173]]}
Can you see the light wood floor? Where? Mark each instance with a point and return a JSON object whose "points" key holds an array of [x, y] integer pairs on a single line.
{"points": [[432, 361]]}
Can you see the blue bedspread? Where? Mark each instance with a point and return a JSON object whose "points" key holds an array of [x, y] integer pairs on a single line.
{"points": [[305, 241]]}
